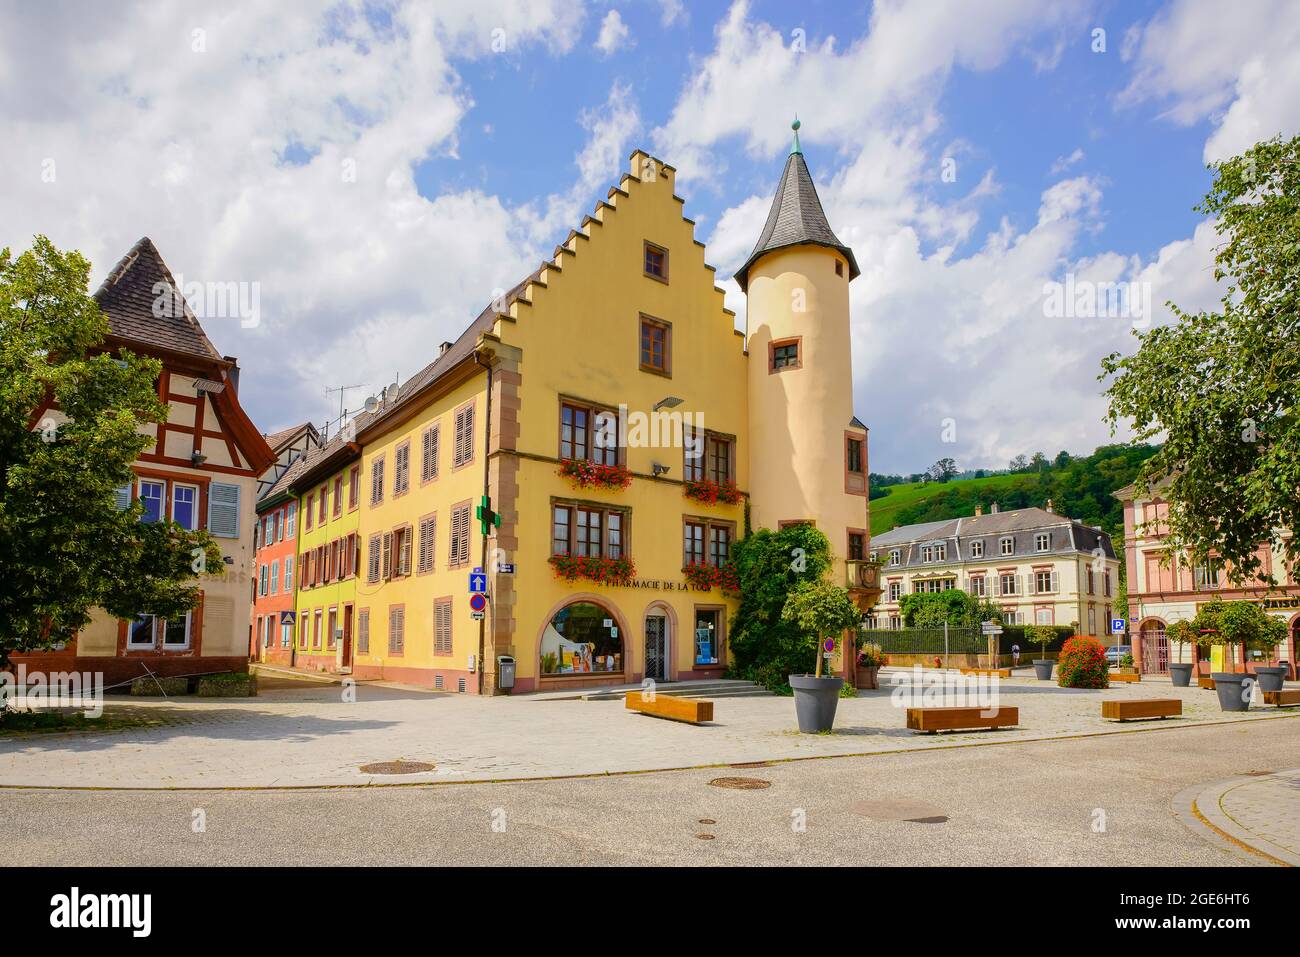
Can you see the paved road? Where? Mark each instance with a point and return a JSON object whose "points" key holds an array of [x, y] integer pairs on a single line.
{"points": [[1031, 803]]}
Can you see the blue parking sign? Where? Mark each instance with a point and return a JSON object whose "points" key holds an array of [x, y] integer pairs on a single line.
{"points": [[1117, 624]]}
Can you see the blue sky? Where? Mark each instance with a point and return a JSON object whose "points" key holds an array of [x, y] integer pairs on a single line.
{"points": [[220, 131]]}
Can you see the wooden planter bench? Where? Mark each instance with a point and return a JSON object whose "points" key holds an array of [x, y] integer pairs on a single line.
{"points": [[1122, 677], [1282, 698], [1142, 708], [690, 710], [988, 672], [960, 719], [1206, 682]]}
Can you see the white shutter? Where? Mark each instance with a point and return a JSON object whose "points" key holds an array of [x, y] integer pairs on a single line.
{"points": [[1056, 583], [122, 497], [223, 510]]}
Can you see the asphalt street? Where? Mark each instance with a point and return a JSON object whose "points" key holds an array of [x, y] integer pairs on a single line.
{"points": [[1093, 801]]}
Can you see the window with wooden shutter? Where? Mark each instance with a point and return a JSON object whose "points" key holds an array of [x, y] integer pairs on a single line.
{"points": [[223, 510], [442, 626], [396, 629], [459, 553], [429, 454], [363, 631], [373, 564], [402, 544], [428, 541], [122, 497], [401, 468], [377, 481], [354, 486], [386, 568], [464, 435], [338, 495]]}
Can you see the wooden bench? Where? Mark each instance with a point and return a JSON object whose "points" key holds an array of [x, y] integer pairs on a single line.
{"points": [[960, 719], [1206, 682], [1282, 698], [987, 672], [1141, 708], [690, 710], [1121, 677]]}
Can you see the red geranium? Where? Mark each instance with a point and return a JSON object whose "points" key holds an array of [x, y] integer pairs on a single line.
{"points": [[585, 474], [710, 493], [604, 571]]}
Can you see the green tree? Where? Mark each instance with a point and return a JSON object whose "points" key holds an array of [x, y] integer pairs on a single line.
{"points": [[1235, 623], [1223, 387], [765, 647], [820, 610], [65, 546], [1040, 635], [937, 608]]}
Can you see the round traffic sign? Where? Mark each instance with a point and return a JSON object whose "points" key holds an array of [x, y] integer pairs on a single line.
{"points": [[477, 602]]}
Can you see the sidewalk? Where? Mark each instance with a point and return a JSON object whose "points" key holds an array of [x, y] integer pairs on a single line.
{"points": [[1255, 816]]}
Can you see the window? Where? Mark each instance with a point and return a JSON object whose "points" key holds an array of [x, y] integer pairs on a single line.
{"points": [[464, 452], [428, 541], [839, 268], [719, 545], [308, 511], [1042, 542], [262, 572], [1007, 546], [458, 554], [152, 494], [291, 520], [140, 632], [185, 506], [442, 626], [927, 553], [588, 433], [1012, 617], [316, 629], [1007, 583], [324, 508], [396, 629], [582, 638], [1106, 582], [1044, 582], [279, 525], [708, 456], [1043, 616], [718, 456], [656, 262], [693, 544], [363, 631], [976, 549], [895, 591], [176, 632], [977, 586], [941, 552], [588, 531], [1092, 620], [783, 354], [223, 509], [332, 631], [354, 486], [302, 632], [338, 495], [656, 346], [401, 468], [895, 556], [377, 481], [429, 454], [708, 637], [372, 566], [286, 634], [401, 551], [853, 456], [857, 546], [694, 442], [1207, 575], [288, 574], [275, 577]]}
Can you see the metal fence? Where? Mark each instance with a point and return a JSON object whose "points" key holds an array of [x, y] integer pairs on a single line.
{"points": [[925, 641]]}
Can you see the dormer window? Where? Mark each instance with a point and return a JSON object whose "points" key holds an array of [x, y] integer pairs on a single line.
{"points": [[976, 549], [1008, 546], [895, 556], [1042, 541]]}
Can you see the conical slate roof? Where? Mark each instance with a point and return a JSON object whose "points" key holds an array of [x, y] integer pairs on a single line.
{"points": [[795, 219]]}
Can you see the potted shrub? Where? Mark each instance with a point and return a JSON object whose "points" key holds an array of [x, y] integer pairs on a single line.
{"points": [[1182, 633], [1041, 634], [870, 661], [1083, 664], [821, 610], [1126, 666], [1230, 624]]}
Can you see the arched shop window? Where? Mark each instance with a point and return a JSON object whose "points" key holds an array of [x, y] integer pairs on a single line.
{"points": [[582, 638]]}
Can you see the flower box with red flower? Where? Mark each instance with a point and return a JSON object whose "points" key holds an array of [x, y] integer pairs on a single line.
{"points": [[585, 474], [711, 493], [603, 571], [705, 577]]}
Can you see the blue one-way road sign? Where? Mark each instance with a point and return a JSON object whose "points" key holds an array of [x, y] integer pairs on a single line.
{"points": [[477, 583]]}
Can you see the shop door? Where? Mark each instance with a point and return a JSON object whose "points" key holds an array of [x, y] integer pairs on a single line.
{"points": [[656, 647]]}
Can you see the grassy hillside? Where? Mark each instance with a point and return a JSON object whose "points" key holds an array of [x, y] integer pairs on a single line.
{"points": [[1081, 488]]}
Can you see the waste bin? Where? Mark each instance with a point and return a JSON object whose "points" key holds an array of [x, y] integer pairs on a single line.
{"points": [[505, 672]]}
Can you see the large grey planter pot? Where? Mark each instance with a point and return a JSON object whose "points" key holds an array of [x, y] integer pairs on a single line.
{"points": [[1181, 675], [815, 701], [1270, 679], [1043, 669], [1233, 690]]}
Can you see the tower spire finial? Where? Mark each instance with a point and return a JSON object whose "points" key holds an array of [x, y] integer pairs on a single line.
{"points": [[795, 126]]}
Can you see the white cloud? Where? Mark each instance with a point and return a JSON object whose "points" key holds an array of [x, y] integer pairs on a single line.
{"points": [[360, 276], [672, 11], [614, 34], [1238, 69], [1062, 163]]}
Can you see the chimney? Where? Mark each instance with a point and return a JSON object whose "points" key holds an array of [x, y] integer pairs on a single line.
{"points": [[232, 374], [442, 349], [1049, 506], [993, 509], [979, 510]]}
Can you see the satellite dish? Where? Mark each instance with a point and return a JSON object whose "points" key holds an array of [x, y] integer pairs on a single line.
{"points": [[372, 404], [392, 392]]}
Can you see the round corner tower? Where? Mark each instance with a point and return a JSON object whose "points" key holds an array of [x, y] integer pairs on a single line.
{"points": [[808, 452]]}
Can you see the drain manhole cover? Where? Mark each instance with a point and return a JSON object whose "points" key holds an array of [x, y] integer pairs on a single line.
{"points": [[741, 784], [707, 820], [396, 767], [705, 837], [914, 812]]}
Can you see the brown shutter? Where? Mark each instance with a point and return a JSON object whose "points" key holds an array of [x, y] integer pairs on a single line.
{"points": [[386, 564]]}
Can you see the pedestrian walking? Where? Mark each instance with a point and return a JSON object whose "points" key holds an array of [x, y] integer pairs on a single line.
{"points": [[1015, 656]]}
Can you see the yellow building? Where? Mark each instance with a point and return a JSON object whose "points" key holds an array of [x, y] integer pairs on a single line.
{"points": [[608, 409]]}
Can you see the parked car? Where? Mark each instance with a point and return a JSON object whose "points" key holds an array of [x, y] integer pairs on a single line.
{"points": [[1115, 652]]}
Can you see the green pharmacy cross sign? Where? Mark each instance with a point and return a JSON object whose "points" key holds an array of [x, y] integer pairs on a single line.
{"points": [[487, 518]]}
